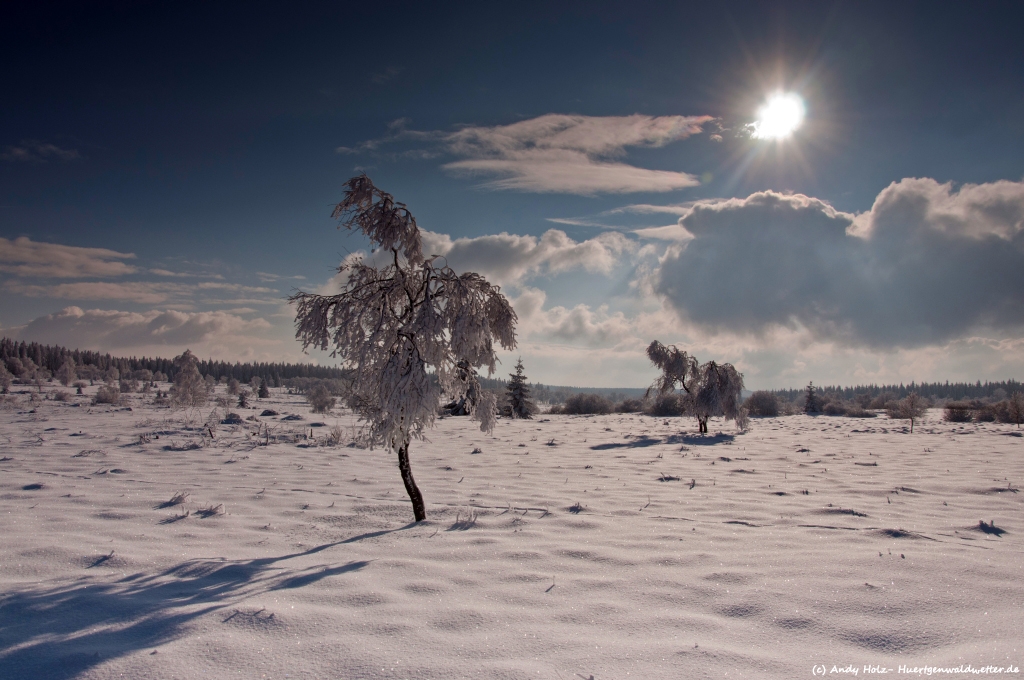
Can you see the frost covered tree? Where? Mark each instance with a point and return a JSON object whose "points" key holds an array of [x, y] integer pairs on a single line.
{"points": [[66, 373], [264, 391], [912, 407], [707, 390], [189, 387], [395, 323], [519, 404], [5, 379], [1015, 408]]}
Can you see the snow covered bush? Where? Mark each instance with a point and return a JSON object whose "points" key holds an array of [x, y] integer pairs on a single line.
{"points": [[762, 404], [390, 324], [107, 394], [586, 404], [320, 398], [710, 389]]}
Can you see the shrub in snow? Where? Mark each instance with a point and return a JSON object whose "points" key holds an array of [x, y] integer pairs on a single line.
{"points": [[393, 322], [107, 394], [320, 398], [710, 389], [958, 412], [666, 406], [586, 403], [629, 406], [762, 404]]}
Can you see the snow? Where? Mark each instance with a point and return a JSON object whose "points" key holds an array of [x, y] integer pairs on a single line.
{"points": [[569, 546]]}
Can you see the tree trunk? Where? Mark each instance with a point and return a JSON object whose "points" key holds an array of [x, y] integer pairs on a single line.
{"points": [[410, 484]]}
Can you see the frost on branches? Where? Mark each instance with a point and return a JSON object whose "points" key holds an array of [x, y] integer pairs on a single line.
{"points": [[393, 324], [519, 404], [708, 390]]}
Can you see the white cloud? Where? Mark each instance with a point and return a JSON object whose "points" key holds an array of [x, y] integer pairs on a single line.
{"points": [[216, 334], [927, 265], [508, 258], [28, 258], [571, 154], [554, 153]]}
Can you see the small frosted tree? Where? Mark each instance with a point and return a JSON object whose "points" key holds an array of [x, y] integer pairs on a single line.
{"points": [[5, 378], [66, 373], [1015, 408], [912, 407], [392, 323], [707, 390], [264, 391], [519, 404], [189, 389]]}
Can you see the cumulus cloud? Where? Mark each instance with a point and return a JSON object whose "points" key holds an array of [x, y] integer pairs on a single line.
{"points": [[28, 258], [580, 325], [217, 333], [927, 264], [32, 151], [508, 258]]}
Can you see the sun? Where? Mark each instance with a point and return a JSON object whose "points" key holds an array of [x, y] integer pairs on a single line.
{"points": [[780, 115]]}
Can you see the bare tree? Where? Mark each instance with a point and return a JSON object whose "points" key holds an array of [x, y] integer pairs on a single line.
{"points": [[391, 324], [912, 407], [710, 389]]}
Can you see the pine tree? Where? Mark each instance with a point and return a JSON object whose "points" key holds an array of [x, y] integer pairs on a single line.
{"points": [[519, 404], [264, 392], [812, 404]]}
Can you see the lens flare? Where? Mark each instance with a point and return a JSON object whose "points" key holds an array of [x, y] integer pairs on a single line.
{"points": [[779, 116]]}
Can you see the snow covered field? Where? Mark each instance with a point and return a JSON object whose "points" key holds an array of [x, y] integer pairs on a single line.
{"points": [[610, 546]]}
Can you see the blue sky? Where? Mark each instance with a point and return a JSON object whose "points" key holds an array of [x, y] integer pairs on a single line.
{"points": [[167, 173]]}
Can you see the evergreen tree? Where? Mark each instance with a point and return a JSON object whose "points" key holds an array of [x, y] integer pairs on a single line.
{"points": [[264, 391], [519, 404], [812, 403]]}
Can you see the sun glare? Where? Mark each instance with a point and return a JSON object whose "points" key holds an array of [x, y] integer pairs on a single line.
{"points": [[779, 116]]}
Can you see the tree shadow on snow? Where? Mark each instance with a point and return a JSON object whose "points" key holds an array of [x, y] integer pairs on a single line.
{"points": [[61, 631]]}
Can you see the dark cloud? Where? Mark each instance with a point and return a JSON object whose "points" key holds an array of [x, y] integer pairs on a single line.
{"points": [[925, 265]]}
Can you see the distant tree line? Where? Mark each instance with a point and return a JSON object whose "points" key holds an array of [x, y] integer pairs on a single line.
{"points": [[934, 391], [39, 358]]}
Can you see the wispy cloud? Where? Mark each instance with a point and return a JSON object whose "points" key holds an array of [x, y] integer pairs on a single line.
{"points": [[32, 151], [143, 292], [27, 258], [572, 154], [557, 153]]}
